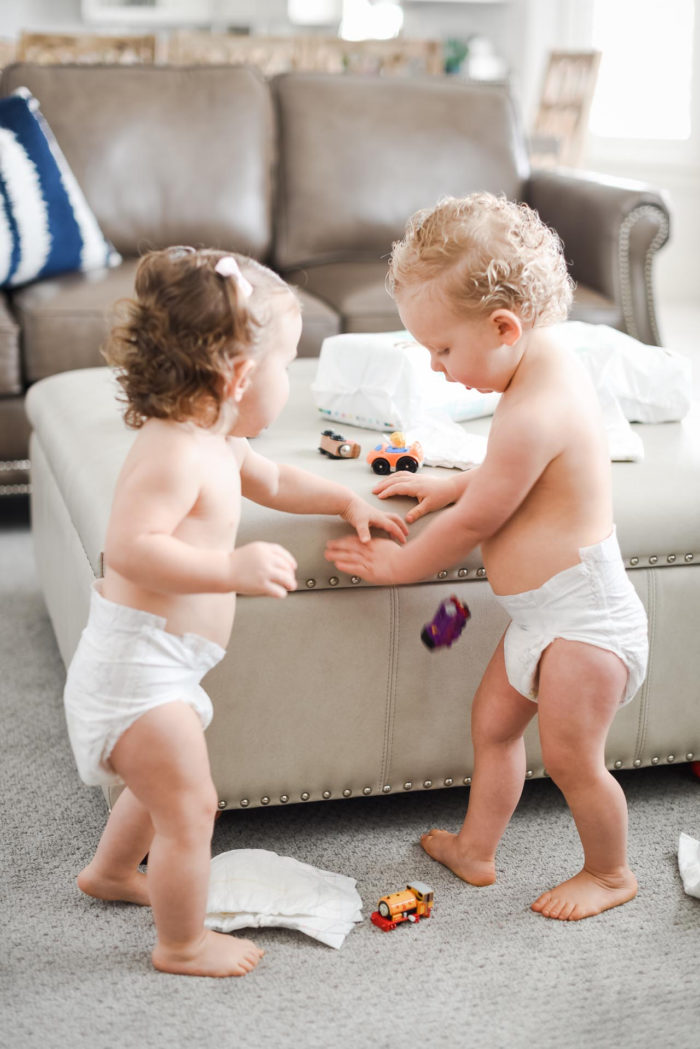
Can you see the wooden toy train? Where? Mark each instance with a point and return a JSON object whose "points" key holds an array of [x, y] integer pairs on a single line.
{"points": [[409, 905]]}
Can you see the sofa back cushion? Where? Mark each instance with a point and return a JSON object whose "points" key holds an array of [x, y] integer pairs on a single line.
{"points": [[164, 155], [359, 154]]}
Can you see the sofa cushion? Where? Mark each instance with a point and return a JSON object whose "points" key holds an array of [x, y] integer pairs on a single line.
{"points": [[357, 291], [10, 370], [65, 319], [318, 322], [164, 155], [46, 225], [359, 154]]}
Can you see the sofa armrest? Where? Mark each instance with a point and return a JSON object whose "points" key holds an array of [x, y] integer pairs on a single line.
{"points": [[611, 229]]}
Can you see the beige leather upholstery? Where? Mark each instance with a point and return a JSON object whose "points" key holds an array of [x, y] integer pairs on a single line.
{"points": [[360, 154], [10, 377], [347, 698]]}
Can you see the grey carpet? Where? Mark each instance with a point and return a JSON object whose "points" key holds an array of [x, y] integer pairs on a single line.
{"points": [[483, 972]]}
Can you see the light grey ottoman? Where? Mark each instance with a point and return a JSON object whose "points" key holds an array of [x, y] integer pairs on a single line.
{"points": [[330, 693]]}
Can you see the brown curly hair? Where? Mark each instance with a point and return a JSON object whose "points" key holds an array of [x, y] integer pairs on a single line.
{"points": [[488, 253], [173, 344]]}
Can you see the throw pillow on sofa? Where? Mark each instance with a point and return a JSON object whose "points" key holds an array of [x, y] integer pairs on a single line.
{"points": [[46, 224]]}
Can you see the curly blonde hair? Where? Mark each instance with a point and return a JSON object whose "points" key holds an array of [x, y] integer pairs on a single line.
{"points": [[174, 343], [487, 253]]}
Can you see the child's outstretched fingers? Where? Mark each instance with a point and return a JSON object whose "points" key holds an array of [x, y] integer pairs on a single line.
{"points": [[371, 561], [391, 523]]}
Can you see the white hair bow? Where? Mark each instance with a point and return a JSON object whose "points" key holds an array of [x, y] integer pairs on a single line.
{"points": [[228, 267]]}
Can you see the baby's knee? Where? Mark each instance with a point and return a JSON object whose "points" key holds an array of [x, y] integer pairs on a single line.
{"points": [[567, 766], [189, 812]]}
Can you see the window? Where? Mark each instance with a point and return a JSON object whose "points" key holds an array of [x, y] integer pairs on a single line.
{"points": [[644, 86]]}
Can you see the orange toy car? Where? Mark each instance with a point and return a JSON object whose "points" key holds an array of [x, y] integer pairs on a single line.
{"points": [[409, 905], [394, 455]]}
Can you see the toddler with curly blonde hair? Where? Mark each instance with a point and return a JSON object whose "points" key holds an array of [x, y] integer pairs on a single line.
{"points": [[479, 282], [201, 353]]}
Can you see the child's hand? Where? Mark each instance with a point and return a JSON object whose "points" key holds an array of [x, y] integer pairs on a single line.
{"points": [[373, 560], [362, 516], [432, 493], [263, 569]]}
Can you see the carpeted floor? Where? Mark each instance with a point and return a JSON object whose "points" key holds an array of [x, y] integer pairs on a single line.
{"points": [[484, 972]]}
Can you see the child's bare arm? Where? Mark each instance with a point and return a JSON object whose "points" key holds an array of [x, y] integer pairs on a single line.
{"points": [[151, 502], [517, 455], [288, 488], [432, 492]]}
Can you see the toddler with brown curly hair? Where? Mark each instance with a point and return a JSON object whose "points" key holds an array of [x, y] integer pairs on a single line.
{"points": [[479, 281], [202, 356]]}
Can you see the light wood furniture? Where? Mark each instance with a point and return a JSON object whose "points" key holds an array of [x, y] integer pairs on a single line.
{"points": [[92, 48], [561, 124], [273, 55]]}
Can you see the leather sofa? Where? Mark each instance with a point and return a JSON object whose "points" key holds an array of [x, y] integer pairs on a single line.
{"points": [[314, 174]]}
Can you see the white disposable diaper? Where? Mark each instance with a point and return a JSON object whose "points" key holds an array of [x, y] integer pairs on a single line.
{"points": [[126, 664], [255, 888], [689, 864]]}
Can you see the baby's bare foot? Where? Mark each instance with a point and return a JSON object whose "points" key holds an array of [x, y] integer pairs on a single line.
{"points": [[131, 889], [446, 848], [216, 954], [586, 894]]}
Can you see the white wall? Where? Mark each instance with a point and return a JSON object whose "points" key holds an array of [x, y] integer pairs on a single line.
{"points": [[38, 15]]}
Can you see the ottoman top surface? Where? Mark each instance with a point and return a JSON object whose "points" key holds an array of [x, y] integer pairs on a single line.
{"points": [[77, 421]]}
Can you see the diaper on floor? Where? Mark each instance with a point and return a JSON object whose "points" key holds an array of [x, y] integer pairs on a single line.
{"points": [[256, 888], [126, 664], [593, 602]]}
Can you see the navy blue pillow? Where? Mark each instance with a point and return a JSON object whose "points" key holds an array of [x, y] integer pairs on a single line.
{"points": [[46, 225]]}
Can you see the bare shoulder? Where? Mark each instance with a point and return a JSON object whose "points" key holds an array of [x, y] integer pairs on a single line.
{"points": [[162, 448]]}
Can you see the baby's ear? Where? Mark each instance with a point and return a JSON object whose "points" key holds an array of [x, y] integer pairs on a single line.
{"points": [[239, 380], [508, 326]]}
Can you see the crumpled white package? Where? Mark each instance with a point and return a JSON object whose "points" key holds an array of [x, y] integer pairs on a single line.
{"points": [[689, 864], [651, 383], [384, 381], [256, 888], [446, 443]]}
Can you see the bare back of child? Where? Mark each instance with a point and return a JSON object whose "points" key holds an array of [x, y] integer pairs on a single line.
{"points": [[202, 359], [478, 282]]}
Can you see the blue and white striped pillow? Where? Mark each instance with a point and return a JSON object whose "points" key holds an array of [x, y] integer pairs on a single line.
{"points": [[46, 225]]}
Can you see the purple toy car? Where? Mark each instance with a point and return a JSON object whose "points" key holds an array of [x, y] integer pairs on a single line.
{"points": [[446, 625]]}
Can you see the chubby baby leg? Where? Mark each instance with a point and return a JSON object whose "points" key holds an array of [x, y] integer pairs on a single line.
{"points": [[580, 691], [113, 872], [163, 759], [499, 718]]}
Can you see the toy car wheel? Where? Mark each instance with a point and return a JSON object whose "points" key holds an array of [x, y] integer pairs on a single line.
{"points": [[407, 463], [384, 910], [381, 466], [344, 450]]}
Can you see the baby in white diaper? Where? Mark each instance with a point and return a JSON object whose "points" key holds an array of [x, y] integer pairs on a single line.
{"points": [[478, 281], [201, 354]]}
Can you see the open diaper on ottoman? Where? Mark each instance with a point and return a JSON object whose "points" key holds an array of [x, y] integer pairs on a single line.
{"points": [[256, 888]]}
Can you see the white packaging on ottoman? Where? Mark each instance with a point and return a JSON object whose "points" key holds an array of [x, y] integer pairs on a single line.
{"points": [[384, 382]]}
